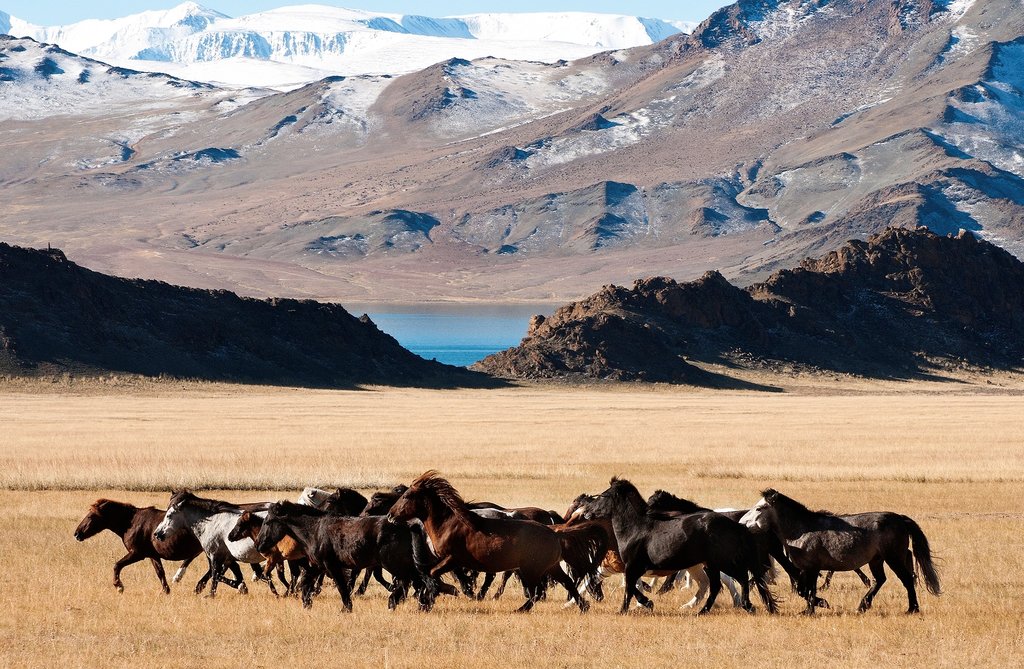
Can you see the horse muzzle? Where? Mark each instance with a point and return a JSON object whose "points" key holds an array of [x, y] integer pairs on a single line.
{"points": [[160, 535], [79, 536]]}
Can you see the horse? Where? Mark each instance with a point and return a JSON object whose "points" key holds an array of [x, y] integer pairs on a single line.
{"points": [[820, 540], [135, 527], [336, 544], [379, 505], [212, 521], [286, 551], [492, 510], [462, 538], [653, 541], [353, 500]]}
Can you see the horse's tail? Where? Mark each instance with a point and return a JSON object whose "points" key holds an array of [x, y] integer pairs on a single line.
{"points": [[583, 548], [923, 556], [760, 567]]}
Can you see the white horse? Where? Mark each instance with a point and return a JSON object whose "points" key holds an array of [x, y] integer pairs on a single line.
{"points": [[314, 497], [211, 521]]}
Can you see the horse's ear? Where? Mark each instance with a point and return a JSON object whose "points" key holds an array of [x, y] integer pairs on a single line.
{"points": [[615, 479], [770, 495]]}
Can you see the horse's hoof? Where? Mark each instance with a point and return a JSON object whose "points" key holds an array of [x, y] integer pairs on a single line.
{"points": [[703, 612], [750, 608], [167, 591], [119, 588], [243, 589], [912, 611]]}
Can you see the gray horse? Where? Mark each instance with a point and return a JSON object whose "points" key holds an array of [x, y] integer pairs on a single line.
{"points": [[818, 540]]}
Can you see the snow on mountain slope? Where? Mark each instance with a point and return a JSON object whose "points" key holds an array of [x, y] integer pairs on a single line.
{"points": [[301, 43], [40, 80]]}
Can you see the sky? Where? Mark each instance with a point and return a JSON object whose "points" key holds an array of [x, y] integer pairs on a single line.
{"points": [[57, 12]]}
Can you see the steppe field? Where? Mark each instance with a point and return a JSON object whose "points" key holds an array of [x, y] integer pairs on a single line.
{"points": [[951, 455]]}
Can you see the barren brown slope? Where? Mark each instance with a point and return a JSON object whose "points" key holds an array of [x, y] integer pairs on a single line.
{"points": [[777, 129]]}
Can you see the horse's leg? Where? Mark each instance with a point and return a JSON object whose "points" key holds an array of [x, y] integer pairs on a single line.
{"points": [[310, 577], [532, 584], [906, 576], [828, 581], [696, 575], [159, 568], [488, 580], [467, 583], [378, 575], [239, 582], [218, 571], [570, 586], [398, 592], [808, 585], [863, 578], [337, 571], [670, 582], [178, 575], [630, 577], [361, 590], [714, 576], [267, 576], [501, 587], [878, 571], [730, 584], [131, 558]]}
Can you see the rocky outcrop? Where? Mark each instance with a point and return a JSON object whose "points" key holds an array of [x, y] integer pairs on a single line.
{"points": [[56, 316], [900, 304]]}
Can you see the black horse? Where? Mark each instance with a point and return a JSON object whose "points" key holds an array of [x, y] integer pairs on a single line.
{"points": [[654, 541], [338, 544], [819, 540], [663, 501]]}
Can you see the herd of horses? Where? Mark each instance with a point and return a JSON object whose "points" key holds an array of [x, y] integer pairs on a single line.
{"points": [[419, 533]]}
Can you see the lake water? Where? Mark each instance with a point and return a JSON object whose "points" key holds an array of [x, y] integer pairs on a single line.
{"points": [[454, 334]]}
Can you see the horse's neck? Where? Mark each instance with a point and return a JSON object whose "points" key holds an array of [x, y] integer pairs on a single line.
{"points": [[442, 519], [303, 528], [627, 518], [119, 519]]}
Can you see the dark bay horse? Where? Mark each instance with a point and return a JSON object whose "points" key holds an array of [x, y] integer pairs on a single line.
{"points": [[135, 527], [338, 544], [819, 540], [649, 541], [461, 538]]}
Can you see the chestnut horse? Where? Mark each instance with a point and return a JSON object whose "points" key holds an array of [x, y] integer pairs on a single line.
{"points": [[461, 538], [135, 527]]}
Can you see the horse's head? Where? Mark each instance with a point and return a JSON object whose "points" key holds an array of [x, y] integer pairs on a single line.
{"points": [[411, 504], [661, 499], [759, 518], [381, 502], [620, 493], [344, 502], [174, 518], [575, 511], [273, 530], [248, 523], [94, 521]]}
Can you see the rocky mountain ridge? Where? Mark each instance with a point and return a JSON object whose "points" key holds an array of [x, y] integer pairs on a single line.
{"points": [[903, 304]]}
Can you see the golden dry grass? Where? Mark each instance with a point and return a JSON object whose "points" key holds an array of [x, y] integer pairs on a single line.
{"points": [[949, 458]]}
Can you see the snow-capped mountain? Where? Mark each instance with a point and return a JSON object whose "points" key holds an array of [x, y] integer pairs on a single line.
{"points": [[775, 130], [293, 45]]}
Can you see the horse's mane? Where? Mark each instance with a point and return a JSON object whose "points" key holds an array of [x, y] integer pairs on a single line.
{"points": [[631, 494], [288, 508], [432, 482], [202, 503], [781, 502], [103, 504], [677, 503]]}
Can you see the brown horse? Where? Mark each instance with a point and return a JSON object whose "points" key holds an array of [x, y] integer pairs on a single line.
{"points": [[287, 550], [135, 527], [461, 538]]}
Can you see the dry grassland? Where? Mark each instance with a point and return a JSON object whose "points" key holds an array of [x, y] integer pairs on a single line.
{"points": [[947, 455]]}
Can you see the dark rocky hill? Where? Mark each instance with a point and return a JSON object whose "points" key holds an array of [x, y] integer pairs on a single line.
{"points": [[901, 304], [56, 316]]}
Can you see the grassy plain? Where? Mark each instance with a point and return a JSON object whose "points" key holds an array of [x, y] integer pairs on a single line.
{"points": [[949, 455]]}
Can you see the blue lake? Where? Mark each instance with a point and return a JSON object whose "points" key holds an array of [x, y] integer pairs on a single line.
{"points": [[454, 334]]}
